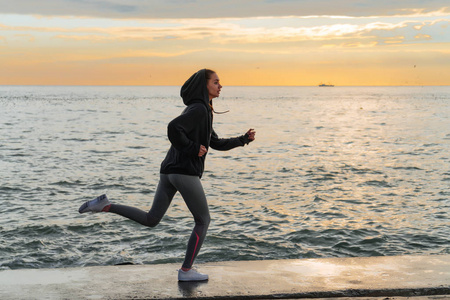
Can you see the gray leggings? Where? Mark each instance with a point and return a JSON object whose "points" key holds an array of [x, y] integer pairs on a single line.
{"points": [[192, 192]]}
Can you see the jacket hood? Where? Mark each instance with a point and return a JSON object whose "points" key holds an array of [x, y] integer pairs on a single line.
{"points": [[195, 90]]}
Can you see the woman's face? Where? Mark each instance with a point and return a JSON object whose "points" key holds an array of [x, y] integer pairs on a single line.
{"points": [[213, 86]]}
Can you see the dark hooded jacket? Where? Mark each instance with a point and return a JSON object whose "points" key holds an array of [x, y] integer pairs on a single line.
{"points": [[192, 129]]}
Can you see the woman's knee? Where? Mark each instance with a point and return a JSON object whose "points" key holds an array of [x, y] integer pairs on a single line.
{"points": [[203, 220], [152, 221]]}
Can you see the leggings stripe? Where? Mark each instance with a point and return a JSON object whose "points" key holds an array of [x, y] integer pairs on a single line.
{"points": [[195, 248]]}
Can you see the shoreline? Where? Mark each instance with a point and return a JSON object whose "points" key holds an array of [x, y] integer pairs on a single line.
{"points": [[383, 276]]}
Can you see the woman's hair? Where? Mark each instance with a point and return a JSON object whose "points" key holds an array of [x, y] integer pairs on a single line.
{"points": [[208, 73]]}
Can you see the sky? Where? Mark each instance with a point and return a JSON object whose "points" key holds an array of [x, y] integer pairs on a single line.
{"points": [[247, 42]]}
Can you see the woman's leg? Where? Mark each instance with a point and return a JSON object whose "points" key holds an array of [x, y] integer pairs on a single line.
{"points": [[193, 194], [163, 197]]}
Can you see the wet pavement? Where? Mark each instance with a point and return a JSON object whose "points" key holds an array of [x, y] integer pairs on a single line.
{"points": [[398, 277]]}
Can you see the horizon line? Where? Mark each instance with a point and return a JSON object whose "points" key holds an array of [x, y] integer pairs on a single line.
{"points": [[175, 85]]}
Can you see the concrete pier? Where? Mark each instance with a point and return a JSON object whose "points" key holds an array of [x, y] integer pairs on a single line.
{"points": [[427, 277]]}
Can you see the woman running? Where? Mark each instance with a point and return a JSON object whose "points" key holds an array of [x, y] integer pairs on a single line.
{"points": [[191, 135]]}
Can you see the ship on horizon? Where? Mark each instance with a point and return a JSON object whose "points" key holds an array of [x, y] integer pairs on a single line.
{"points": [[327, 85]]}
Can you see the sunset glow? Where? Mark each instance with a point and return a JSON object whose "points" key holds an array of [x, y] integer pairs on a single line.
{"points": [[50, 45]]}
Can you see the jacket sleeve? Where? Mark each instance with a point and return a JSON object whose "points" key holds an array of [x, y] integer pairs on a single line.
{"points": [[227, 144], [179, 128]]}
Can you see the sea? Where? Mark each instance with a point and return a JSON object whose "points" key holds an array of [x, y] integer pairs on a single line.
{"points": [[333, 172]]}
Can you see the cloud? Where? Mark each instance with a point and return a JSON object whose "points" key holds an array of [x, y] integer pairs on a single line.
{"points": [[337, 31], [218, 9], [27, 37], [351, 31], [423, 37]]}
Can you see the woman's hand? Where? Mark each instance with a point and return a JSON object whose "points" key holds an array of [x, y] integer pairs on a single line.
{"points": [[202, 151], [251, 134]]}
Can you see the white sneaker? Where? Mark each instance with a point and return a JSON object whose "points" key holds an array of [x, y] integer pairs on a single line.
{"points": [[95, 205], [191, 275]]}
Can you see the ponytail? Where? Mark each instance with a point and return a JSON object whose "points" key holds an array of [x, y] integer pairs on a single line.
{"points": [[217, 112]]}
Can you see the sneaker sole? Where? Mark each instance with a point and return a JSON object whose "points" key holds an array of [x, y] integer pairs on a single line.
{"points": [[192, 280]]}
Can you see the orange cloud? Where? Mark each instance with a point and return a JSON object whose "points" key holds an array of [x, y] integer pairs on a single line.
{"points": [[423, 37]]}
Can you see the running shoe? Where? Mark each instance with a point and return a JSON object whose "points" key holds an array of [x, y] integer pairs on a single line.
{"points": [[96, 205], [191, 275]]}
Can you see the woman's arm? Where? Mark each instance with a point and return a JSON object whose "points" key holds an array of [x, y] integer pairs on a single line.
{"points": [[230, 143]]}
